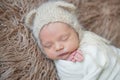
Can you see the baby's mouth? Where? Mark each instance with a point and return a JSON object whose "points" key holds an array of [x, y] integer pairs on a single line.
{"points": [[62, 54]]}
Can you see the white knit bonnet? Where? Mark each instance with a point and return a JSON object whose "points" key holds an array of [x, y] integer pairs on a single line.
{"points": [[60, 11]]}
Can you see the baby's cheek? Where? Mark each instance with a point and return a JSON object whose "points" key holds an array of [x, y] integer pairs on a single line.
{"points": [[46, 52], [50, 55], [73, 47]]}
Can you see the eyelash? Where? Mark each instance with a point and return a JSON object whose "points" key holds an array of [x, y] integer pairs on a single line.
{"points": [[64, 38], [48, 46]]}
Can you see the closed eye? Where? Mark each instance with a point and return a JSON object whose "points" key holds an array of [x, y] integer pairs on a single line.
{"points": [[47, 45], [64, 37]]}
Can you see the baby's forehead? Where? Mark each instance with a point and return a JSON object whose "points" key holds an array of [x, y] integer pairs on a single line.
{"points": [[55, 29], [56, 25]]}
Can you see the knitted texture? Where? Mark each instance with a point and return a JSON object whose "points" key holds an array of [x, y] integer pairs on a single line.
{"points": [[58, 11]]}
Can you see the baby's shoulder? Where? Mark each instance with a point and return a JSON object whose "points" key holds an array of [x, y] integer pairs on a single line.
{"points": [[91, 38]]}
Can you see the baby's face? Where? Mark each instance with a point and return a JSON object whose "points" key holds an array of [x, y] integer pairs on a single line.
{"points": [[58, 40]]}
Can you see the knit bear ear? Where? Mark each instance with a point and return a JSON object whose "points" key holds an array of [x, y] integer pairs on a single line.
{"points": [[66, 6], [30, 18]]}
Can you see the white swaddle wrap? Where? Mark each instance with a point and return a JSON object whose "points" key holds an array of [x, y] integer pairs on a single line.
{"points": [[100, 63]]}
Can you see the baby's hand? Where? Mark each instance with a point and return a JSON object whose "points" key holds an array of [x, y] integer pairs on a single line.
{"points": [[76, 56]]}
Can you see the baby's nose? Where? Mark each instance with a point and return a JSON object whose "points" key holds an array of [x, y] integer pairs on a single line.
{"points": [[58, 46]]}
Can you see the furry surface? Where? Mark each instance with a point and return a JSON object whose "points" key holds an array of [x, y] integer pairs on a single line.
{"points": [[101, 17], [20, 58]]}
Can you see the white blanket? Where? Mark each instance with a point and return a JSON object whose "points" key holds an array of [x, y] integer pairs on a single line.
{"points": [[100, 63]]}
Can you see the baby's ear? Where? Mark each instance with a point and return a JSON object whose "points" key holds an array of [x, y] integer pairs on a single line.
{"points": [[29, 19], [66, 6]]}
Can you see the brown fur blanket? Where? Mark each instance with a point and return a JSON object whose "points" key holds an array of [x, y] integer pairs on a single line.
{"points": [[101, 17], [21, 59]]}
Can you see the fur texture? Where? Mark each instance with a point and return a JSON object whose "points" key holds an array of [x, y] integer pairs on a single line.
{"points": [[20, 58], [101, 17]]}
